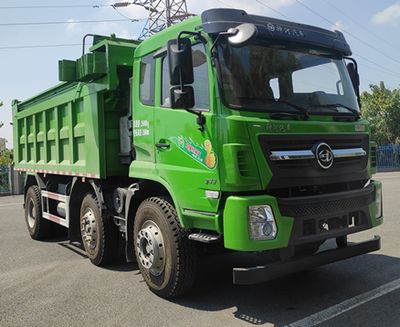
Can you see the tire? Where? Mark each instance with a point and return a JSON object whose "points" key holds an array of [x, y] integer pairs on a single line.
{"points": [[98, 232], [38, 227], [170, 271]]}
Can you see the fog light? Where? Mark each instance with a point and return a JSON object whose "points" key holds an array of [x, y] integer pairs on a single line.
{"points": [[378, 202], [262, 225]]}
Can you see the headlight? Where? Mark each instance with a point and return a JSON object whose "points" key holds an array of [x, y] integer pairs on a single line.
{"points": [[378, 202], [262, 225]]}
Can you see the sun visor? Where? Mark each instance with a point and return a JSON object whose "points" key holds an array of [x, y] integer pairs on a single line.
{"points": [[219, 20]]}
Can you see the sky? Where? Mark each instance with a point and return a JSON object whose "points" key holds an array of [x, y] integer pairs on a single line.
{"points": [[371, 28]]}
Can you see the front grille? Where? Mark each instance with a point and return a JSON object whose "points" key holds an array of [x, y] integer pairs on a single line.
{"points": [[293, 173], [326, 216], [331, 227], [321, 205]]}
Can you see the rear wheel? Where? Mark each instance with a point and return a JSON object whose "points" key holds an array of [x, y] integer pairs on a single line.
{"points": [[166, 257], [99, 234], [38, 227]]}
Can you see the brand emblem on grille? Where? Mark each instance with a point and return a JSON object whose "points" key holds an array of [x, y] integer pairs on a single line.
{"points": [[324, 155]]}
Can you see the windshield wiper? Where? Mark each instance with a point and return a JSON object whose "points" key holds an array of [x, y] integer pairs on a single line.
{"points": [[336, 106], [285, 115], [304, 111]]}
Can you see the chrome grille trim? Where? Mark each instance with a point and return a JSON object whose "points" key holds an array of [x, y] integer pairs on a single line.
{"points": [[309, 154]]}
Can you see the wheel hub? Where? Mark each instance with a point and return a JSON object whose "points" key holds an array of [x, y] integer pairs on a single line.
{"points": [[150, 248], [89, 229], [31, 214]]}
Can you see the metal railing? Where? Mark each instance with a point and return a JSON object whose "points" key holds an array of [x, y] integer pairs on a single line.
{"points": [[388, 156]]}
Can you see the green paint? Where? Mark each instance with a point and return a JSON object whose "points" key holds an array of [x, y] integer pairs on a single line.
{"points": [[236, 231]]}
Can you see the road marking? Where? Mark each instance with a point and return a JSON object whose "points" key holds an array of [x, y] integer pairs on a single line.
{"points": [[350, 304], [10, 204]]}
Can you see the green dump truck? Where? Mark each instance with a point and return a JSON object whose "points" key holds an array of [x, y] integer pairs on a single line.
{"points": [[227, 130]]}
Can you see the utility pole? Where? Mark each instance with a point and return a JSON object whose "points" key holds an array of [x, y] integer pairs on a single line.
{"points": [[162, 14]]}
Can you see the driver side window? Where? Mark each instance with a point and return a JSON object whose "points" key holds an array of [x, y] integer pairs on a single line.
{"points": [[200, 84]]}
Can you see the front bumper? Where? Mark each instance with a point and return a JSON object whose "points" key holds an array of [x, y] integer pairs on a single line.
{"points": [[303, 219], [253, 275]]}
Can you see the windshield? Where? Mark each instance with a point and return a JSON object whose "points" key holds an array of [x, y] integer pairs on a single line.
{"points": [[263, 78]]}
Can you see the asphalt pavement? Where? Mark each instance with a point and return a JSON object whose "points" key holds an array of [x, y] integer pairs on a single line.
{"points": [[53, 283]]}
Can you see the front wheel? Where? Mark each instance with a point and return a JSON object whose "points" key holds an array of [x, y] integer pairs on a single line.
{"points": [[166, 257]]}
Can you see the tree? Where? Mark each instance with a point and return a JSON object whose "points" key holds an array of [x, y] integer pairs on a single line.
{"points": [[5, 157], [1, 104], [5, 154], [381, 107]]}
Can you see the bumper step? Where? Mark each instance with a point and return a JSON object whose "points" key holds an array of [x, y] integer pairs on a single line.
{"points": [[254, 275], [204, 238]]}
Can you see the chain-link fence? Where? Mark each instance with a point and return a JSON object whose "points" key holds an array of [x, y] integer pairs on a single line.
{"points": [[388, 157], [4, 180], [11, 181]]}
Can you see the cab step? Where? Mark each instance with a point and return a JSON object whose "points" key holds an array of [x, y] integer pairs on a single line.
{"points": [[204, 237]]}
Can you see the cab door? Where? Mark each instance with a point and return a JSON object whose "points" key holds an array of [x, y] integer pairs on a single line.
{"points": [[143, 118], [185, 156]]}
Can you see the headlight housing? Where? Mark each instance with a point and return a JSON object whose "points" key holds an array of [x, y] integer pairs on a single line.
{"points": [[378, 202], [262, 225]]}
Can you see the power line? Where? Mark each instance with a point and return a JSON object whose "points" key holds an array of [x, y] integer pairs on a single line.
{"points": [[121, 14], [114, 5], [39, 46], [389, 71], [272, 9], [383, 68], [72, 22], [350, 34], [224, 3], [378, 69], [53, 6], [360, 25]]}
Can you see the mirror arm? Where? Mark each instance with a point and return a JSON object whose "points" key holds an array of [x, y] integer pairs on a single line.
{"points": [[353, 61], [198, 35], [230, 32], [201, 119]]}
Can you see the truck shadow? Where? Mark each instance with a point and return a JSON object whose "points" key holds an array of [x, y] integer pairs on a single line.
{"points": [[288, 299], [119, 263], [278, 302]]}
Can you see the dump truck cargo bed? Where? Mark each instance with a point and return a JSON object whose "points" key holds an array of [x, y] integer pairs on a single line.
{"points": [[74, 127]]}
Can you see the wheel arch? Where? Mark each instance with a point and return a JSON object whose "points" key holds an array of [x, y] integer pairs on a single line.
{"points": [[146, 188], [31, 180]]}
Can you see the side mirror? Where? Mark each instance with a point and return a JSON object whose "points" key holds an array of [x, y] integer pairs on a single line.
{"points": [[353, 73], [240, 35], [182, 98], [354, 77], [180, 61]]}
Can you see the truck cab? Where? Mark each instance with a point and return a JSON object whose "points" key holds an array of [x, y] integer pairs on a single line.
{"points": [[284, 158]]}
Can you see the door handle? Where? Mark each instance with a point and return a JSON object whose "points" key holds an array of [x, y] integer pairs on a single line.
{"points": [[162, 146]]}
